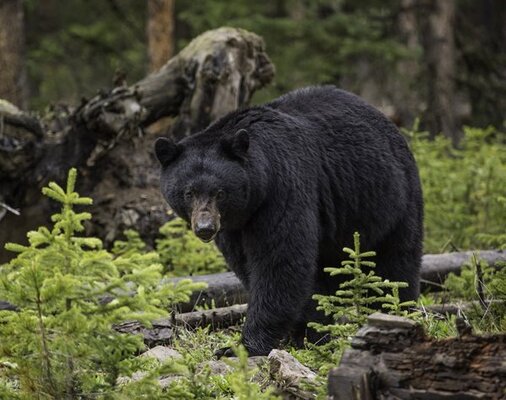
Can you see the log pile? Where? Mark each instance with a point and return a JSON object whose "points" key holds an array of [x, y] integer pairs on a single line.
{"points": [[391, 358]]}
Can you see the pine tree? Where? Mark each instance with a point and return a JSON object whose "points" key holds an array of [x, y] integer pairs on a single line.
{"points": [[60, 344], [357, 296]]}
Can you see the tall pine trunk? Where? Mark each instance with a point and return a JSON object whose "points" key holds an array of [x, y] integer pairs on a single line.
{"points": [[439, 48], [12, 46]]}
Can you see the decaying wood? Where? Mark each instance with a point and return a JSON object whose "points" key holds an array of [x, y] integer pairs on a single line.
{"points": [[110, 137], [217, 318], [163, 330], [215, 74], [392, 358], [225, 289]]}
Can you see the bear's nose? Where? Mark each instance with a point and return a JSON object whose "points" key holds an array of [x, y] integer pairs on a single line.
{"points": [[205, 230]]}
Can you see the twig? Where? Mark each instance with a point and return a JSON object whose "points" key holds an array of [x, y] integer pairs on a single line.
{"points": [[9, 208]]}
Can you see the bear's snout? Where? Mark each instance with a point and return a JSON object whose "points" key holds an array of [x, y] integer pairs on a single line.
{"points": [[205, 225]]}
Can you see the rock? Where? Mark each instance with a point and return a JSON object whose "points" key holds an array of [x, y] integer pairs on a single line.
{"points": [[289, 374], [162, 353], [217, 367], [381, 320], [167, 380], [283, 366], [136, 376]]}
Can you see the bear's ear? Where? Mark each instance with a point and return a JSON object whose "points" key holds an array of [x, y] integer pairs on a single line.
{"points": [[166, 150], [237, 144]]}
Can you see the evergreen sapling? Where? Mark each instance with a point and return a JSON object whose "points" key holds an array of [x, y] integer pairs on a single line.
{"points": [[60, 343]]}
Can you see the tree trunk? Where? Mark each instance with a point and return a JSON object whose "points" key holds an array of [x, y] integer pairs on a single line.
{"points": [[161, 32], [439, 46], [108, 137], [405, 88], [13, 87], [391, 358]]}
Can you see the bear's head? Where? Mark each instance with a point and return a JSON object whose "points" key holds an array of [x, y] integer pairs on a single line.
{"points": [[205, 180]]}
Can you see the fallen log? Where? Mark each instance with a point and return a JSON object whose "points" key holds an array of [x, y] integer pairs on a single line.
{"points": [[392, 358], [225, 289], [224, 317], [162, 330]]}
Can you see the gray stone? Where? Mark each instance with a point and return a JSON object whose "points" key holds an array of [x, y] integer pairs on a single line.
{"points": [[162, 353], [217, 367], [285, 367], [390, 321]]}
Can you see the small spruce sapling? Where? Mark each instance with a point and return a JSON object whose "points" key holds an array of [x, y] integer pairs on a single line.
{"points": [[357, 296], [61, 344]]}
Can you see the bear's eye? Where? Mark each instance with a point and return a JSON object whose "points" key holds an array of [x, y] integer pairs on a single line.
{"points": [[188, 195], [220, 195]]}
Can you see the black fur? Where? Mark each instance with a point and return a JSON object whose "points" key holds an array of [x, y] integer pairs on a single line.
{"points": [[316, 165]]}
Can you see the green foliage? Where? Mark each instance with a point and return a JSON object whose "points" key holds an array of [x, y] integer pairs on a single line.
{"points": [[309, 41], [356, 296], [438, 326], [464, 189], [486, 287], [74, 47], [198, 382], [60, 343], [132, 245], [349, 307], [241, 379], [184, 254]]}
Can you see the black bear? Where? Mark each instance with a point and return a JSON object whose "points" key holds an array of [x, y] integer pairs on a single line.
{"points": [[283, 186]]}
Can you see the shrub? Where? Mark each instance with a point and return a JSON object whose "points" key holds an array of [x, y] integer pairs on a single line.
{"points": [[464, 189]]}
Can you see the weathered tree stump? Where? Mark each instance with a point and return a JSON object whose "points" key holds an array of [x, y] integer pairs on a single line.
{"points": [[391, 358], [110, 140]]}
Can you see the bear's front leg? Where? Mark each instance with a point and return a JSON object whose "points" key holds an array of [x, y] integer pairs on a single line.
{"points": [[282, 274]]}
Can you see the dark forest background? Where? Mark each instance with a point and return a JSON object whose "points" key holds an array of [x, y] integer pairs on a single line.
{"points": [[442, 61]]}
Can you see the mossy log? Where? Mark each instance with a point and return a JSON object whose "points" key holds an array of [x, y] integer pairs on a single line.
{"points": [[109, 138], [391, 358]]}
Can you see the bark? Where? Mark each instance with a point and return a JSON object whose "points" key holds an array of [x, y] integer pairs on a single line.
{"points": [[109, 139], [13, 86], [439, 47], [392, 358], [160, 32]]}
